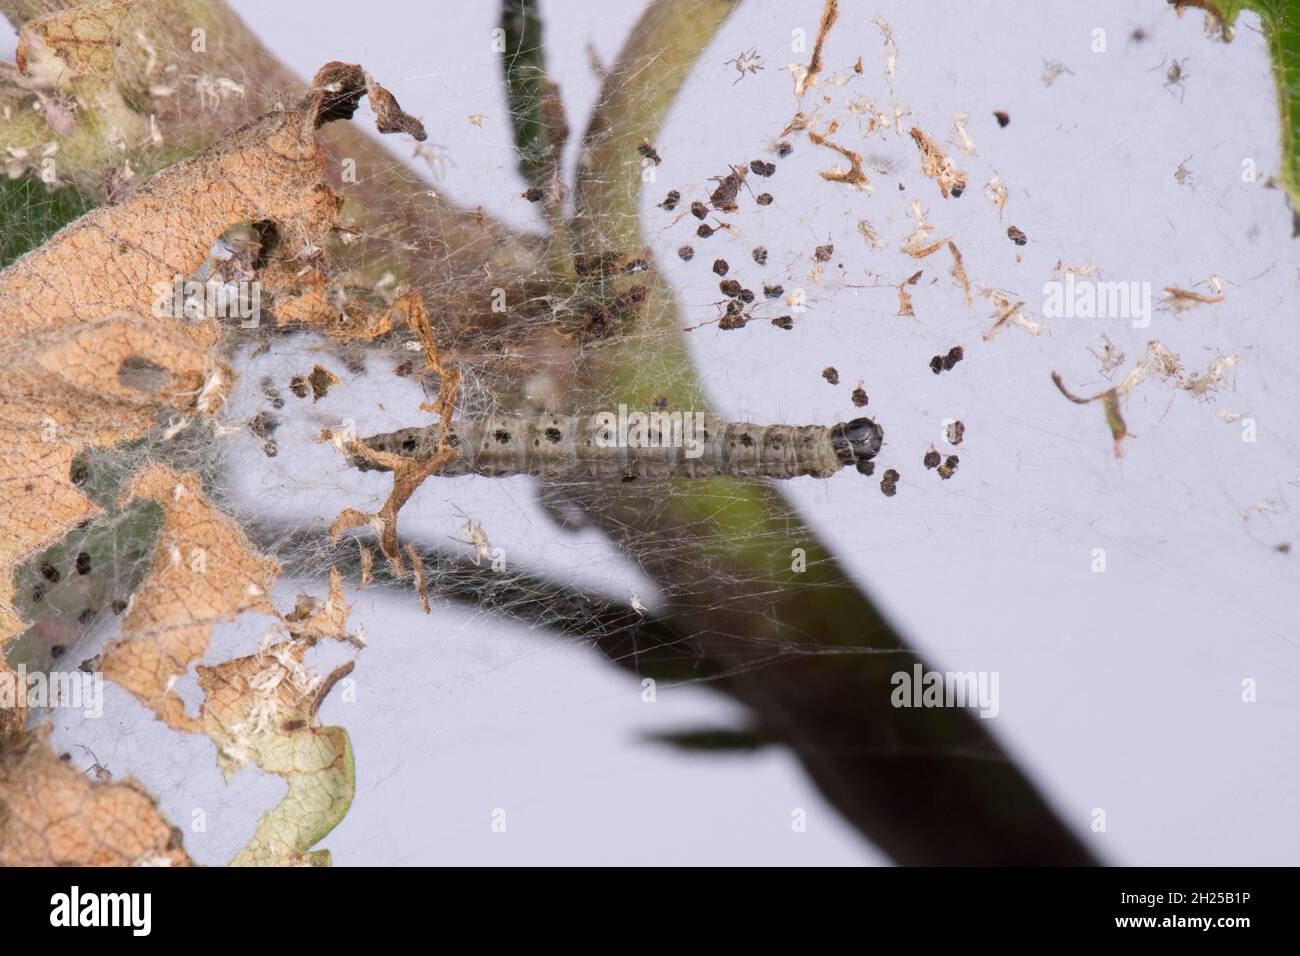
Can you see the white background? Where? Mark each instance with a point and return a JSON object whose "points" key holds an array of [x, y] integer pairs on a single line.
{"points": [[1119, 690]]}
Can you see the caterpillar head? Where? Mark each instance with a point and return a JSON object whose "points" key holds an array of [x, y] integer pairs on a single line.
{"points": [[857, 441]]}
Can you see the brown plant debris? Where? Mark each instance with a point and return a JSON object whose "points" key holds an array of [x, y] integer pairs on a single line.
{"points": [[1162, 364], [408, 473], [904, 297], [1181, 300], [873, 239], [204, 571], [853, 176], [936, 164], [62, 391], [417, 568], [90, 354], [53, 814], [997, 192], [807, 76], [959, 272], [1007, 311]]}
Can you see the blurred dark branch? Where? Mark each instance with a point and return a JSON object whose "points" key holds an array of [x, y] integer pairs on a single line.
{"points": [[640, 643], [927, 786]]}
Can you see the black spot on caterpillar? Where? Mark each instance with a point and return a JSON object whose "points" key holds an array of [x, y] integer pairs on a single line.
{"points": [[669, 446]]}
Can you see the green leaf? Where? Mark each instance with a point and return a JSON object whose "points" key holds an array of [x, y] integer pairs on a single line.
{"points": [[535, 110], [1281, 21], [262, 709]]}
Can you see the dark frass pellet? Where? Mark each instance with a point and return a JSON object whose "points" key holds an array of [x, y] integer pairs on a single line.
{"points": [[83, 563], [704, 231], [773, 291], [1017, 235], [783, 322], [1002, 117], [533, 194], [824, 253], [859, 397], [699, 210], [760, 255], [955, 432], [936, 364], [762, 167], [931, 459], [747, 296], [784, 149], [263, 424], [729, 287], [955, 355], [671, 200], [763, 199], [948, 467], [831, 374], [686, 253], [889, 483], [720, 266]]}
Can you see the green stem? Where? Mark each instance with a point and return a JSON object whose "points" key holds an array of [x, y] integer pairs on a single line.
{"points": [[809, 652]]}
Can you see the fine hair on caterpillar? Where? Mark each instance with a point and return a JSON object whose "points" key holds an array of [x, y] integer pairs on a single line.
{"points": [[625, 446]]}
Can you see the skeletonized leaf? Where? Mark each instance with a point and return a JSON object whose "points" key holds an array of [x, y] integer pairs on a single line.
{"points": [[262, 709], [204, 571], [52, 814]]}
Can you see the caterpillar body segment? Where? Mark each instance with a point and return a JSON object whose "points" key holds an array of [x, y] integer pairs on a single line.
{"points": [[690, 445]]}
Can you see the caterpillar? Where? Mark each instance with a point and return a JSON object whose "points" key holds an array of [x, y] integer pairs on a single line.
{"points": [[654, 445]]}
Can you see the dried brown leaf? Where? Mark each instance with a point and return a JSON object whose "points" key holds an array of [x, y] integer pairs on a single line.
{"points": [[204, 571], [52, 814]]}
